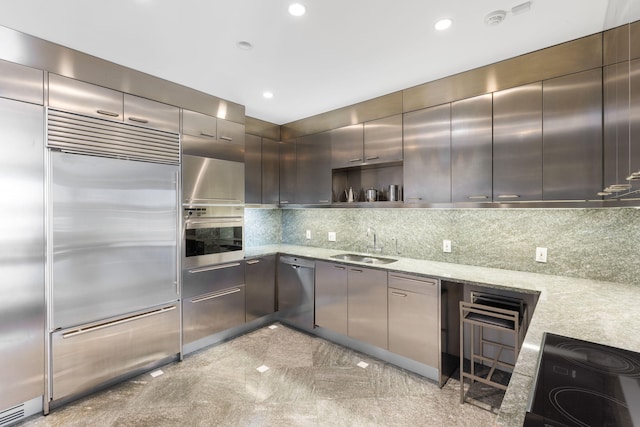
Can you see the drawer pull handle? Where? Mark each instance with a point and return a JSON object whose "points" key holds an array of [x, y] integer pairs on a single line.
{"points": [[138, 120], [478, 197], [216, 295], [373, 158], [398, 294], [226, 138], [323, 201], [339, 267], [107, 113], [253, 261], [414, 198], [208, 135], [355, 160], [215, 267], [423, 282], [116, 322], [508, 196]]}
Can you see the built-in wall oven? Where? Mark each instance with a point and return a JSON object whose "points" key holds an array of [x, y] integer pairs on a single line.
{"points": [[212, 235]]}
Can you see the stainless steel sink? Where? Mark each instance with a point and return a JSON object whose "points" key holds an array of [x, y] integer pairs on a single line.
{"points": [[367, 259]]}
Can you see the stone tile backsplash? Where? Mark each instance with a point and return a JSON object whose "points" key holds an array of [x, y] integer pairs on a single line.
{"points": [[599, 244]]}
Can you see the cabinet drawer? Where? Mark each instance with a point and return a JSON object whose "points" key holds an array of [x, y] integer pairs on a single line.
{"points": [[416, 284], [84, 98], [208, 314], [203, 280], [198, 124], [230, 132], [151, 114]]}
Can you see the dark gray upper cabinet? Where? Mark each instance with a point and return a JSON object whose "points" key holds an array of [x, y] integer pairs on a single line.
{"points": [[287, 172], [572, 136], [471, 149], [517, 143], [347, 145], [252, 169], [383, 140], [313, 169], [427, 155], [270, 171]]}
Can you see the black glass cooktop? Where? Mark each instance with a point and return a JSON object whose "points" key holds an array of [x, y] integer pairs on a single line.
{"points": [[581, 383]]}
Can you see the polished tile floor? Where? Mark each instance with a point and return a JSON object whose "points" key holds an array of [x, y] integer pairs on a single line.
{"points": [[309, 382]]}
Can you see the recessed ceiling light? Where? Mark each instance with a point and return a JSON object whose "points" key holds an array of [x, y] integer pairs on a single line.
{"points": [[297, 9], [443, 24], [267, 94], [244, 45]]}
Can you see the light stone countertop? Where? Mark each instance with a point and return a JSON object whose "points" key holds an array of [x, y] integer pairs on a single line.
{"points": [[602, 312]]}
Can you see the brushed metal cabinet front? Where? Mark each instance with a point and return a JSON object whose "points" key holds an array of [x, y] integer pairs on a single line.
{"points": [[208, 314], [85, 98], [22, 253], [414, 329], [313, 169], [367, 306], [260, 286], [151, 114], [471, 149], [634, 116], [427, 155], [204, 280], [517, 143], [198, 124], [21, 83], [383, 140], [347, 146], [231, 132], [331, 297], [287, 169], [212, 181], [252, 169], [572, 136], [84, 358], [616, 123], [270, 171]]}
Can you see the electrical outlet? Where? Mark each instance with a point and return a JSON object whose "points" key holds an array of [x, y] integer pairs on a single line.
{"points": [[332, 236], [308, 234], [541, 254], [446, 246]]}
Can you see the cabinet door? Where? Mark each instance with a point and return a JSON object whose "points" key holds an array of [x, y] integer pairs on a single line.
{"points": [[21, 83], [517, 143], [471, 149], [151, 114], [252, 169], [634, 114], [347, 146], [270, 171], [331, 296], [313, 169], [383, 140], [572, 136], [427, 155], [367, 306], [288, 172], [414, 330], [208, 314], [84, 98], [230, 132], [198, 124], [260, 287]]}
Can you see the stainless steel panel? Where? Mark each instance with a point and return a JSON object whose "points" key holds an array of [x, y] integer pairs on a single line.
{"points": [[21, 83], [296, 283], [372, 109], [414, 318], [347, 146], [262, 128], [383, 140], [571, 57], [252, 169], [84, 358], [471, 149], [427, 155], [635, 40], [212, 181], [209, 147], [634, 115], [287, 166], [260, 286], [572, 136], [198, 124], [517, 143], [40, 54], [22, 303], [113, 237], [270, 171], [208, 314], [212, 278], [616, 123], [85, 98], [230, 132], [615, 45], [331, 297], [367, 306], [313, 169], [152, 114]]}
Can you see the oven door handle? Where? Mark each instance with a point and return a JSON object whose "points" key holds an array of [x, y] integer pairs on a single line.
{"points": [[217, 222]]}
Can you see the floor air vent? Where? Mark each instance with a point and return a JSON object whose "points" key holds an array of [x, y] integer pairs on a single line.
{"points": [[11, 415]]}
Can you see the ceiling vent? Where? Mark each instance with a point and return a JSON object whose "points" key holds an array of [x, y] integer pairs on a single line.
{"points": [[494, 18]]}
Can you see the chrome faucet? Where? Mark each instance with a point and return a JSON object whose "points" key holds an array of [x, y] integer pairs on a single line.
{"points": [[375, 248]]}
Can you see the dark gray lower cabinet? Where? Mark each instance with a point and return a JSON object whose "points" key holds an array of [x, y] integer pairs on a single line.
{"points": [[414, 331], [367, 305], [331, 296], [208, 314], [260, 286]]}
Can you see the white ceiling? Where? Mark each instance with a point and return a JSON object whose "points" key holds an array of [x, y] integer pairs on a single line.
{"points": [[341, 52]]}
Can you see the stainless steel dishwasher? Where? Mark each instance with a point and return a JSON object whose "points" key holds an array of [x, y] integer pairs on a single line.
{"points": [[296, 283]]}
